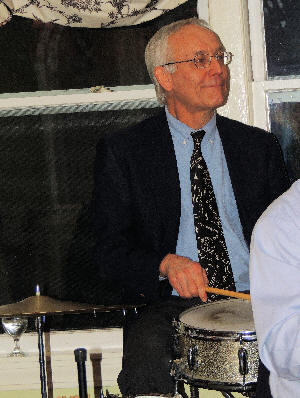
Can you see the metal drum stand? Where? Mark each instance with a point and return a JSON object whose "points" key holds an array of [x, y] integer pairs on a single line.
{"points": [[80, 358], [39, 306], [250, 393], [224, 388]]}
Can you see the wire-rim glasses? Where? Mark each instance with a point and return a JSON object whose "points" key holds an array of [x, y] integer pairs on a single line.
{"points": [[203, 60]]}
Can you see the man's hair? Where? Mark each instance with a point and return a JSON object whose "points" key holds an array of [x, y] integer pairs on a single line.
{"points": [[157, 51]]}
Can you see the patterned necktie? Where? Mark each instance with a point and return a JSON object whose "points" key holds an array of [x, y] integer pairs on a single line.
{"points": [[212, 250]]}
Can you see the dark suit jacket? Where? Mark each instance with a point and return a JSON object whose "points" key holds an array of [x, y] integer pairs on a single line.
{"points": [[137, 196]]}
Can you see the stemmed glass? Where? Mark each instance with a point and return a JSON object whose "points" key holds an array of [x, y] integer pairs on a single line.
{"points": [[15, 326]]}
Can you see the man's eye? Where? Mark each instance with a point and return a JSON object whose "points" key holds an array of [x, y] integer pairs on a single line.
{"points": [[219, 56], [201, 59]]}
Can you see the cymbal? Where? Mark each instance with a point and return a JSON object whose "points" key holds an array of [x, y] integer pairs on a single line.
{"points": [[42, 305]]}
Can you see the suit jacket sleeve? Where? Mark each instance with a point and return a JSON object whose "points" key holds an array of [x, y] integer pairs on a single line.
{"points": [[256, 167], [127, 259], [279, 180]]}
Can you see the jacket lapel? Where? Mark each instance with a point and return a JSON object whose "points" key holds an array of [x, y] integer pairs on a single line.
{"points": [[164, 179], [237, 165]]}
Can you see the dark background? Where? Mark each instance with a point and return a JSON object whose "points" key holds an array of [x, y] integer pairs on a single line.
{"points": [[36, 56], [282, 29], [285, 124], [46, 170], [46, 173], [46, 226]]}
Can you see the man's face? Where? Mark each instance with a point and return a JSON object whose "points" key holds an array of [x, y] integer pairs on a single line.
{"points": [[202, 89]]}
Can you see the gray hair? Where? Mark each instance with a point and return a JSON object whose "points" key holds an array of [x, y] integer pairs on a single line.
{"points": [[157, 52]]}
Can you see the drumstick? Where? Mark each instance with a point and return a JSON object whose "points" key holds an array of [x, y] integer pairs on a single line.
{"points": [[228, 293]]}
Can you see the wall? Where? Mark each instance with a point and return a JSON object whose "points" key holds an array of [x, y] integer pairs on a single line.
{"points": [[229, 18]]}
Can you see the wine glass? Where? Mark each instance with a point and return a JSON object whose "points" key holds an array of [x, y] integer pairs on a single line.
{"points": [[15, 326]]}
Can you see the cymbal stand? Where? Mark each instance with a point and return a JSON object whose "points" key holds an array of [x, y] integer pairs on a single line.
{"points": [[40, 319], [194, 392], [39, 325], [227, 394], [80, 358]]}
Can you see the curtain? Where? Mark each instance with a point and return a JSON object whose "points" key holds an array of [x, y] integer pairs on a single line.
{"points": [[87, 13], [5, 14]]}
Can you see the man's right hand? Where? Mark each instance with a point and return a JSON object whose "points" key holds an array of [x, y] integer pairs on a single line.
{"points": [[187, 277]]}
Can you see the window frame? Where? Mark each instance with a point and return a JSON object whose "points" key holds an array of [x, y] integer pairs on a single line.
{"points": [[122, 97], [261, 86], [59, 101]]}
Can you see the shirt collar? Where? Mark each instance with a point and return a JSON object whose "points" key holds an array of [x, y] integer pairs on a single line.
{"points": [[181, 129]]}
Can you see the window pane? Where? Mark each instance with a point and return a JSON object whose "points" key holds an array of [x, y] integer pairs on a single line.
{"points": [[46, 182], [282, 30], [285, 124], [38, 56]]}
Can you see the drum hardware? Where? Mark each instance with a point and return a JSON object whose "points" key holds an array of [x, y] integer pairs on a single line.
{"points": [[216, 348], [176, 392], [80, 358], [40, 306], [211, 334], [227, 394], [191, 357], [80, 355], [176, 351], [243, 359], [243, 362], [194, 392]]}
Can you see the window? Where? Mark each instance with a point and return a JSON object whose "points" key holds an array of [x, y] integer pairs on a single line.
{"points": [[275, 28], [48, 56], [50, 123], [282, 30], [284, 107]]}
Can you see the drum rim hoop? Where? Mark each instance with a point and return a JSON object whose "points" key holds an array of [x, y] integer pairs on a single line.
{"points": [[179, 324], [212, 304], [245, 335]]}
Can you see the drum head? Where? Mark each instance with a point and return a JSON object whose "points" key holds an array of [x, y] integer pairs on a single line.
{"points": [[225, 315]]}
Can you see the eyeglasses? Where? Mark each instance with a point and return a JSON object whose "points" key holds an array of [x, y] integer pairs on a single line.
{"points": [[203, 60]]}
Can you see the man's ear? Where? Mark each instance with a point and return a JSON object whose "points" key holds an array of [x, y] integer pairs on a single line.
{"points": [[163, 77]]}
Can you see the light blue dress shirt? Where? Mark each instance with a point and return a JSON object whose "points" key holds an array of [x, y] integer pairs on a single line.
{"points": [[275, 291], [213, 154]]}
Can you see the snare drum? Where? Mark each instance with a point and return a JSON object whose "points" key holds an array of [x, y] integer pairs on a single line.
{"points": [[216, 346]]}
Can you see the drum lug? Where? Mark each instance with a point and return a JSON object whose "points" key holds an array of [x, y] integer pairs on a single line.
{"points": [[176, 346], [191, 357], [243, 361]]}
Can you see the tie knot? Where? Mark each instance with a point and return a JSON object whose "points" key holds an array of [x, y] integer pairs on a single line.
{"points": [[197, 136]]}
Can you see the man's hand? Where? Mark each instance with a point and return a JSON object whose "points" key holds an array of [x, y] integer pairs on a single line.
{"points": [[187, 277]]}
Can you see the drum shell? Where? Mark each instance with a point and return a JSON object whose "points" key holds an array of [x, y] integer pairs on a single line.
{"points": [[216, 356]]}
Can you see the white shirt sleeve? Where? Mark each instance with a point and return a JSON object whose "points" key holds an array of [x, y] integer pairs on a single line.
{"points": [[275, 284]]}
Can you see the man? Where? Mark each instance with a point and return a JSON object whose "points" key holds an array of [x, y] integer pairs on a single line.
{"points": [[275, 291], [144, 206]]}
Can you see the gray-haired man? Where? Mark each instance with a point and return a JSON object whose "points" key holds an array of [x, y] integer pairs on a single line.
{"points": [[144, 211]]}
